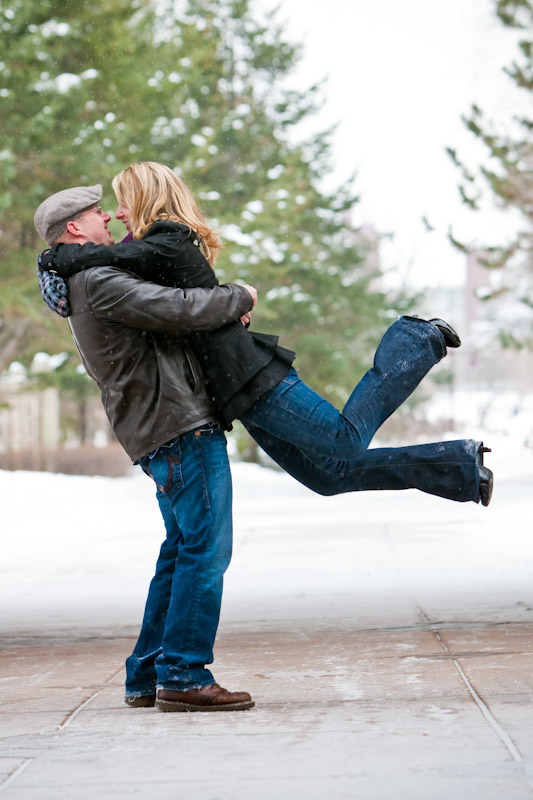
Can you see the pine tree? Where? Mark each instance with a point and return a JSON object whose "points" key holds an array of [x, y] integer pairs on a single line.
{"points": [[508, 171], [199, 85], [233, 138], [67, 71]]}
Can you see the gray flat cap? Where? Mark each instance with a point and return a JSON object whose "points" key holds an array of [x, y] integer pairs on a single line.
{"points": [[53, 214]]}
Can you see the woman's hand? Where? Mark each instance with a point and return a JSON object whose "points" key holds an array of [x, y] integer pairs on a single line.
{"points": [[245, 319], [253, 292]]}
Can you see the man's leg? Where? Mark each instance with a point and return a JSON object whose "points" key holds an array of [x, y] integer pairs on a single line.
{"points": [[201, 504], [141, 676], [183, 605]]}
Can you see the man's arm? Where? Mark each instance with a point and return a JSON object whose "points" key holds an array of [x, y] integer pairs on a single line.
{"points": [[121, 297]]}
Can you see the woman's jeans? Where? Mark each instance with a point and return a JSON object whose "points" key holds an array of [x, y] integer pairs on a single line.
{"points": [[327, 450], [183, 606]]}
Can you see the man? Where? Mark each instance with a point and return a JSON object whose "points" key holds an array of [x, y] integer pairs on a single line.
{"points": [[128, 333]]}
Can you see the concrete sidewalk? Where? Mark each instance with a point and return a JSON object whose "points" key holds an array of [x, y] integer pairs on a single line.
{"points": [[388, 658]]}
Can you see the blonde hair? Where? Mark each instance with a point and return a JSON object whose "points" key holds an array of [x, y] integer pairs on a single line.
{"points": [[152, 191]]}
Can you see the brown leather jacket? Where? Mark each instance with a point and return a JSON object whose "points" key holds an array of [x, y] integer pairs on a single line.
{"points": [[128, 334]]}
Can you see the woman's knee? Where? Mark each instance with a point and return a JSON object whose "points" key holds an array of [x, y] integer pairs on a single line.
{"points": [[327, 485]]}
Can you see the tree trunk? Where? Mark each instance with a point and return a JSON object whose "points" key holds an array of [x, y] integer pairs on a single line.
{"points": [[11, 335]]}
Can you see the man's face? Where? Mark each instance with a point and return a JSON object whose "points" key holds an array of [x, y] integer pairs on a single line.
{"points": [[93, 224]]}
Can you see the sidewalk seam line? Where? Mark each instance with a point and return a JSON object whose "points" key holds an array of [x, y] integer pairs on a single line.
{"points": [[73, 714], [18, 771], [483, 707], [485, 710]]}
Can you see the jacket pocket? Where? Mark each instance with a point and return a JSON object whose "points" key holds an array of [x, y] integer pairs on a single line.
{"points": [[192, 375]]}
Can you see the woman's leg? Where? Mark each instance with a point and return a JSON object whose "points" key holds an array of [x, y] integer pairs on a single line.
{"points": [[445, 469], [406, 353], [294, 413], [326, 450]]}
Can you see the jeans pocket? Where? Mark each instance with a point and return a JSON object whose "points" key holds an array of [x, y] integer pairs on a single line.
{"points": [[165, 470]]}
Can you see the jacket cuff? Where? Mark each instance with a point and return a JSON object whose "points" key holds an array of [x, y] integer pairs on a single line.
{"points": [[247, 300]]}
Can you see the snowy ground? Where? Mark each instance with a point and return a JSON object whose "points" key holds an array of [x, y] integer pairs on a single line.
{"points": [[80, 550], [386, 637]]}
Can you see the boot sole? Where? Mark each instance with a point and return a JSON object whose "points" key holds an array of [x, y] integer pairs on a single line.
{"points": [[170, 705], [451, 336]]}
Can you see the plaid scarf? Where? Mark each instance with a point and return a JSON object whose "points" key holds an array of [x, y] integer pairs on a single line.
{"points": [[54, 289]]}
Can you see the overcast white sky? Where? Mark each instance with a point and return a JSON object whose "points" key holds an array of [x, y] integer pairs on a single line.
{"points": [[400, 74]]}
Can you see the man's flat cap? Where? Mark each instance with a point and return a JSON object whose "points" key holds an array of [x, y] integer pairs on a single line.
{"points": [[53, 214]]}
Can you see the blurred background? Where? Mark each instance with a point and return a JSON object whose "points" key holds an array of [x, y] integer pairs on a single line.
{"points": [[360, 160]]}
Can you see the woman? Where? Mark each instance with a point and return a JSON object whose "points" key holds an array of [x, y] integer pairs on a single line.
{"points": [[250, 376]]}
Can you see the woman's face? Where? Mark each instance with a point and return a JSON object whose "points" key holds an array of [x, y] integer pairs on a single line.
{"points": [[123, 215]]}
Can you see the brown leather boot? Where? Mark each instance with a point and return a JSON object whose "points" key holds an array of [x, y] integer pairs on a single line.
{"points": [[208, 698]]}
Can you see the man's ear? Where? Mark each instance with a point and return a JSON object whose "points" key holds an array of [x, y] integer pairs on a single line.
{"points": [[73, 228]]}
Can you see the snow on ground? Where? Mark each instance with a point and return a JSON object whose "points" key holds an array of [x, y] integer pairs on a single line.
{"points": [[79, 551]]}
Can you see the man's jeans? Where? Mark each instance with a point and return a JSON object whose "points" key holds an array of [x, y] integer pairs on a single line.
{"points": [[183, 606], [327, 450]]}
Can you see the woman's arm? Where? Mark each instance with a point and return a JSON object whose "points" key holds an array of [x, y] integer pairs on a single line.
{"points": [[168, 257]]}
